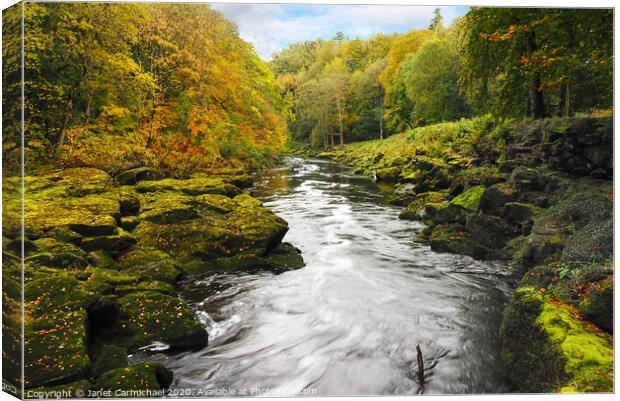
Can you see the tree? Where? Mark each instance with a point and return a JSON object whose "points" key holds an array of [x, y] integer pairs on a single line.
{"points": [[437, 21], [430, 77], [515, 59]]}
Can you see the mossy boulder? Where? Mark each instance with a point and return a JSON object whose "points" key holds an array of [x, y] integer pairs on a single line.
{"points": [[388, 174], [248, 229], [598, 304], [133, 176], [150, 316], [549, 348], [469, 199], [457, 210], [107, 357], [455, 238], [415, 210], [520, 213], [145, 376], [55, 348], [283, 257], [536, 249], [490, 231], [53, 253], [495, 197]]}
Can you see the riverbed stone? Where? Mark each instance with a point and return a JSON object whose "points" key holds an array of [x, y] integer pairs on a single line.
{"points": [[150, 316]]}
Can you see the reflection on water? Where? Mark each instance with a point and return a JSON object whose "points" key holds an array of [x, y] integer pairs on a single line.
{"points": [[349, 322]]}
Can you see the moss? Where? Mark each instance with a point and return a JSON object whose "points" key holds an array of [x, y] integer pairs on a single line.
{"points": [[149, 263], [588, 353], [248, 228], [55, 341], [469, 199], [144, 376], [548, 347], [150, 316], [388, 174], [57, 254]]}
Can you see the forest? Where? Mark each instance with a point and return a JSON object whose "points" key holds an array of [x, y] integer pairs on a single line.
{"points": [[180, 214]]}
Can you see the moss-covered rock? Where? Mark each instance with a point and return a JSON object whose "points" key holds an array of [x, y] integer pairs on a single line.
{"points": [[107, 357], [598, 304], [149, 263], [469, 199], [145, 376], [495, 197], [490, 231], [128, 223], [536, 249], [283, 257], [133, 176], [53, 253], [150, 316], [547, 346], [193, 186], [248, 229], [455, 238], [388, 174], [55, 344], [415, 210]]}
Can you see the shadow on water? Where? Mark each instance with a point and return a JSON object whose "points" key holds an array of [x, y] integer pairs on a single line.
{"points": [[349, 322]]}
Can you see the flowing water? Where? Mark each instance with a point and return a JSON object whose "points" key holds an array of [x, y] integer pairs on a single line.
{"points": [[349, 322]]}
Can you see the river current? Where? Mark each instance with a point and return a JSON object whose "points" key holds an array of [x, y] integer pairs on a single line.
{"points": [[348, 323]]}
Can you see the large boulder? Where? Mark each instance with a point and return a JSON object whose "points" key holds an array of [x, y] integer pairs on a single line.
{"points": [[490, 231], [222, 229]]}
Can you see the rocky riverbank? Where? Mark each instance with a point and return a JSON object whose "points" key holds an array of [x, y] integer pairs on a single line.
{"points": [[538, 196], [102, 256]]}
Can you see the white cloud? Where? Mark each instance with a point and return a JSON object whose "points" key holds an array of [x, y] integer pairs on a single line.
{"points": [[270, 27]]}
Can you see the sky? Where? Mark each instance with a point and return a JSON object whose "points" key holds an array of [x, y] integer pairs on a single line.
{"points": [[271, 27]]}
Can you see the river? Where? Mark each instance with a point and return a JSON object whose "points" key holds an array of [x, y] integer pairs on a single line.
{"points": [[349, 322]]}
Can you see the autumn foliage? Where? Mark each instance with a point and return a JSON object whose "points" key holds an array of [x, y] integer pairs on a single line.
{"points": [[116, 85]]}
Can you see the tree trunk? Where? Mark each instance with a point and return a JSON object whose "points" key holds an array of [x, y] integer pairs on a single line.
{"points": [[538, 100], [65, 123], [564, 100]]}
